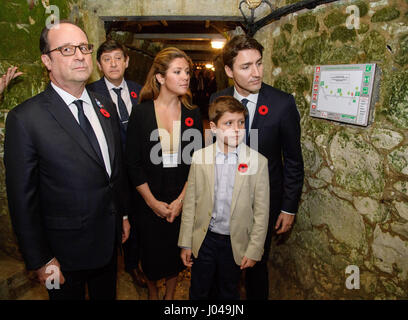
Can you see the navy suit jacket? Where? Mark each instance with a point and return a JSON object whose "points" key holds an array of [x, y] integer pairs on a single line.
{"points": [[278, 123], [101, 88], [62, 202]]}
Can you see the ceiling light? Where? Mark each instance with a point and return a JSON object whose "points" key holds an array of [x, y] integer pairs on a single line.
{"points": [[217, 44]]}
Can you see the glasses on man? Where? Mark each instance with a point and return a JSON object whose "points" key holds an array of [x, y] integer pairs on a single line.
{"points": [[69, 50]]}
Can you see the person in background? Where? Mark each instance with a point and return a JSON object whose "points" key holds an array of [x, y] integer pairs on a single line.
{"points": [[224, 220], [113, 61], [66, 183], [164, 130], [273, 116]]}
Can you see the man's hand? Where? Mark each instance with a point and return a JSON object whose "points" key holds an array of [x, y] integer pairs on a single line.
{"points": [[186, 257], [50, 271], [247, 263], [7, 77], [284, 222], [125, 230], [175, 209]]}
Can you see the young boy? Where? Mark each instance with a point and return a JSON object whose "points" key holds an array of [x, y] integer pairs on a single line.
{"points": [[226, 206]]}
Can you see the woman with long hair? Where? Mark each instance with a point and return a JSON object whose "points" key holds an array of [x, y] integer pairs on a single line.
{"points": [[163, 132]]}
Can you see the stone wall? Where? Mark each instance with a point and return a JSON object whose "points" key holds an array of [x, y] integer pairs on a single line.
{"points": [[354, 207]]}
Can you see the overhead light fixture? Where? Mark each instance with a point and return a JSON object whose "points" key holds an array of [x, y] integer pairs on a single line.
{"points": [[253, 4], [209, 65], [217, 44], [250, 21]]}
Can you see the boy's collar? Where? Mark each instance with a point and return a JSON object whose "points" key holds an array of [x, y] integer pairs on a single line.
{"points": [[234, 151]]}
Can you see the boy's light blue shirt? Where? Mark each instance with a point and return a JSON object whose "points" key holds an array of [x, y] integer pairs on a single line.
{"points": [[225, 170]]}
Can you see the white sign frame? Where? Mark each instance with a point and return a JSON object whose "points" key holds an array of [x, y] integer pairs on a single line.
{"points": [[343, 93]]}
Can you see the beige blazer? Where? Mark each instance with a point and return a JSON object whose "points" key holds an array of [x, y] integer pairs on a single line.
{"points": [[249, 205]]}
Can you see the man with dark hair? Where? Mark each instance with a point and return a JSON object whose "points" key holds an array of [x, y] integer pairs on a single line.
{"points": [[272, 114], [66, 183], [112, 62]]}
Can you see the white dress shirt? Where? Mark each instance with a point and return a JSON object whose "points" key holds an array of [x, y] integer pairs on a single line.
{"points": [[124, 94], [251, 105], [92, 117]]}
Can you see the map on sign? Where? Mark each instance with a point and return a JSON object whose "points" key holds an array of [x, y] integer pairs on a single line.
{"points": [[343, 92]]}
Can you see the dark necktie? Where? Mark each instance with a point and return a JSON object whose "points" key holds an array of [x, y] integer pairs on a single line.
{"points": [[124, 115], [244, 103], [87, 129]]}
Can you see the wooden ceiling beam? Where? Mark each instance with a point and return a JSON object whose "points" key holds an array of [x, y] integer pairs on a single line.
{"points": [[179, 36]]}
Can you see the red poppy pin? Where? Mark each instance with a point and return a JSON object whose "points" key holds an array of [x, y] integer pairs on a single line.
{"points": [[263, 110], [104, 112], [242, 167], [133, 94], [101, 109], [189, 122]]}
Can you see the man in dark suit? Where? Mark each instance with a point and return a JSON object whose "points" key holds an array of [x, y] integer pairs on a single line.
{"points": [[113, 61], [274, 118], [66, 184]]}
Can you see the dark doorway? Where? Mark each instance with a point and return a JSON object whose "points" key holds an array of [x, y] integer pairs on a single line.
{"points": [[145, 36]]}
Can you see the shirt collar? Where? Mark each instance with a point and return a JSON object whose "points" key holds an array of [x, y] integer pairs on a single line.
{"points": [[69, 98], [110, 85], [233, 152], [253, 97]]}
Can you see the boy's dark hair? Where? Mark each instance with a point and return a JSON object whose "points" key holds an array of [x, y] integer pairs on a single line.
{"points": [[225, 104], [108, 46], [235, 45], [44, 45]]}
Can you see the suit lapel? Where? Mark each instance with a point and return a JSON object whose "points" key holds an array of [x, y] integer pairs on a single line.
{"points": [[134, 95], [258, 117], [183, 127], [60, 111], [239, 177], [106, 127], [104, 89], [262, 101], [209, 161]]}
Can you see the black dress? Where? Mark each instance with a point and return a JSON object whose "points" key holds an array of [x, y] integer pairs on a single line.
{"points": [[160, 255]]}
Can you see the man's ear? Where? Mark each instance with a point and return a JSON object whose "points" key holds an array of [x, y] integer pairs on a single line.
{"points": [[228, 71], [99, 66], [46, 60], [127, 62]]}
